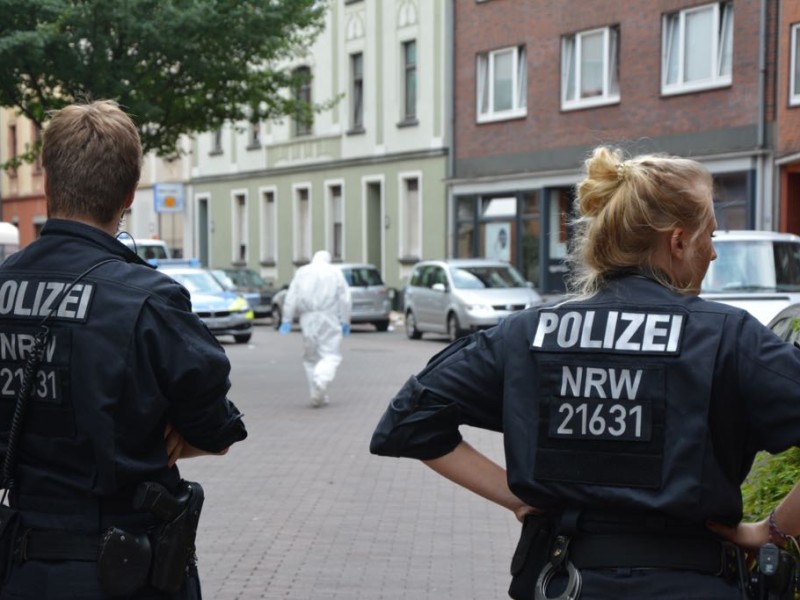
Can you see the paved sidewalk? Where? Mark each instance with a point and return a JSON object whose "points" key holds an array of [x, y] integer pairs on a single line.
{"points": [[301, 510]]}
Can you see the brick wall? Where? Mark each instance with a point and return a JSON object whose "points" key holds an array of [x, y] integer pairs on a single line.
{"points": [[642, 111]]}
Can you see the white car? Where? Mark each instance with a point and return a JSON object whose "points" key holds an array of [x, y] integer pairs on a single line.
{"points": [[758, 271]]}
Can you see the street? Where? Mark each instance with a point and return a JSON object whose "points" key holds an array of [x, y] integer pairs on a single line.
{"points": [[301, 510]]}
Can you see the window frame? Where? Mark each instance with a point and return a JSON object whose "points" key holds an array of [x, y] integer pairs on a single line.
{"points": [[303, 93], [485, 85], [571, 46], [357, 92], [794, 65], [720, 12], [409, 113]]}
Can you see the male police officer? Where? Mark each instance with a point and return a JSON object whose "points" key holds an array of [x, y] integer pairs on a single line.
{"points": [[129, 381]]}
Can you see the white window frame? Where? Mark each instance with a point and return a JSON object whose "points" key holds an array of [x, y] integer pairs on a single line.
{"points": [[331, 217], [410, 71], [269, 224], [239, 227], [721, 36], [301, 228], [410, 223], [794, 65], [357, 92], [484, 80], [572, 69]]}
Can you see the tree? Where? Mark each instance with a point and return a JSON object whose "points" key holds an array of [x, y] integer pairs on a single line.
{"points": [[176, 66]]}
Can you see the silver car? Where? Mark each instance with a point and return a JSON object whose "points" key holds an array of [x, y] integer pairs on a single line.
{"points": [[370, 297], [461, 295]]}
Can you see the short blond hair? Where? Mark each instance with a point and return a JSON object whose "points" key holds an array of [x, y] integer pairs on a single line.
{"points": [[92, 156], [620, 207]]}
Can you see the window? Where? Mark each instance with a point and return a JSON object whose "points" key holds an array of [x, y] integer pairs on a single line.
{"points": [[269, 232], [357, 91], [240, 228], [254, 135], [410, 81], [336, 221], [37, 142], [412, 246], [589, 68], [13, 151], [302, 93], [697, 48], [302, 225], [216, 141], [501, 84], [794, 84]]}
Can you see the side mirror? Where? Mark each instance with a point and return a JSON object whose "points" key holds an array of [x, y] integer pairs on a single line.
{"points": [[439, 287]]}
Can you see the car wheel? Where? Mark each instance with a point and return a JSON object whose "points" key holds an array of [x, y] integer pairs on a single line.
{"points": [[453, 328], [276, 316], [411, 327], [381, 325], [242, 339]]}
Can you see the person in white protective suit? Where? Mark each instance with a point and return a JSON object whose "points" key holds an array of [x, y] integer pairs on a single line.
{"points": [[320, 296]]}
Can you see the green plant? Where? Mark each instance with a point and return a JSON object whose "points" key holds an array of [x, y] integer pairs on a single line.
{"points": [[769, 480]]}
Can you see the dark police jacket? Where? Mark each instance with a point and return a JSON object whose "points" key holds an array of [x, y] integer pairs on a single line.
{"points": [[125, 356], [635, 399]]}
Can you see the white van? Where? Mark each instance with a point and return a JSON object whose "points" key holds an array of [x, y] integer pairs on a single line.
{"points": [[9, 239]]}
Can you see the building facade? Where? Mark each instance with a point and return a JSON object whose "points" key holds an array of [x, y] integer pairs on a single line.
{"points": [[21, 189], [365, 180], [538, 84]]}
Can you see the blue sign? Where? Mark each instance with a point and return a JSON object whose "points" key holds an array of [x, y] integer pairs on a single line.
{"points": [[168, 197]]}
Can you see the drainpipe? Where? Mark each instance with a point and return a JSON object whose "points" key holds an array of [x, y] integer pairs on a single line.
{"points": [[768, 206], [449, 104]]}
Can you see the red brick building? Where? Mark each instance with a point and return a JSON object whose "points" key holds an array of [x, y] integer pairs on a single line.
{"points": [[538, 84]]}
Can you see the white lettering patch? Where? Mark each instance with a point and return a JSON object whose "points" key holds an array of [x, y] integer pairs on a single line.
{"points": [[37, 299], [622, 331]]}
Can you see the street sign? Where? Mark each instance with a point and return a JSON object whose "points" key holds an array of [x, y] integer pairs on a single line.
{"points": [[168, 197]]}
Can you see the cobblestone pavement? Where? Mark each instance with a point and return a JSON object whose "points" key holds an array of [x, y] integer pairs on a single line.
{"points": [[301, 510]]}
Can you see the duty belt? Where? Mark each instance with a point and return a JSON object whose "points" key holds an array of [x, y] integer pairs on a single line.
{"points": [[58, 545], [701, 554]]}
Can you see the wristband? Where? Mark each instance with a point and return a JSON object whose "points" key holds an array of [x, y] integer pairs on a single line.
{"points": [[778, 537]]}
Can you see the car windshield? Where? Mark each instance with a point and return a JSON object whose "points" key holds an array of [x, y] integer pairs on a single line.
{"points": [[198, 282], [481, 277], [362, 277], [246, 278], [753, 266]]}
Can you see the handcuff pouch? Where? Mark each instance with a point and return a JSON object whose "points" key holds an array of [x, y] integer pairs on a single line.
{"points": [[123, 562], [531, 555]]}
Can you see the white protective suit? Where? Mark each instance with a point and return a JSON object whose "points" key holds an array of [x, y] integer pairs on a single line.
{"points": [[320, 296]]}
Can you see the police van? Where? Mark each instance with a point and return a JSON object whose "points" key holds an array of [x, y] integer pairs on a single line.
{"points": [[148, 249]]}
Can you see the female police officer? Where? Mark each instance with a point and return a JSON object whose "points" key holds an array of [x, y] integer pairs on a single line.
{"points": [[631, 412]]}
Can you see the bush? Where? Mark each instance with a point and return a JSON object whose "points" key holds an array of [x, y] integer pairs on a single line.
{"points": [[768, 482]]}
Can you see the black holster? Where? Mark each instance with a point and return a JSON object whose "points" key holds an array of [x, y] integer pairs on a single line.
{"points": [[530, 556], [174, 541], [775, 575]]}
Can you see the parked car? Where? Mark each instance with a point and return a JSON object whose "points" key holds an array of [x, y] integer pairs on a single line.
{"points": [[461, 295], [223, 311], [257, 291], [758, 271], [786, 324], [369, 295]]}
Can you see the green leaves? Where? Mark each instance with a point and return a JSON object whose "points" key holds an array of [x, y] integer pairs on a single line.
{"points": [[177, 66]]}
